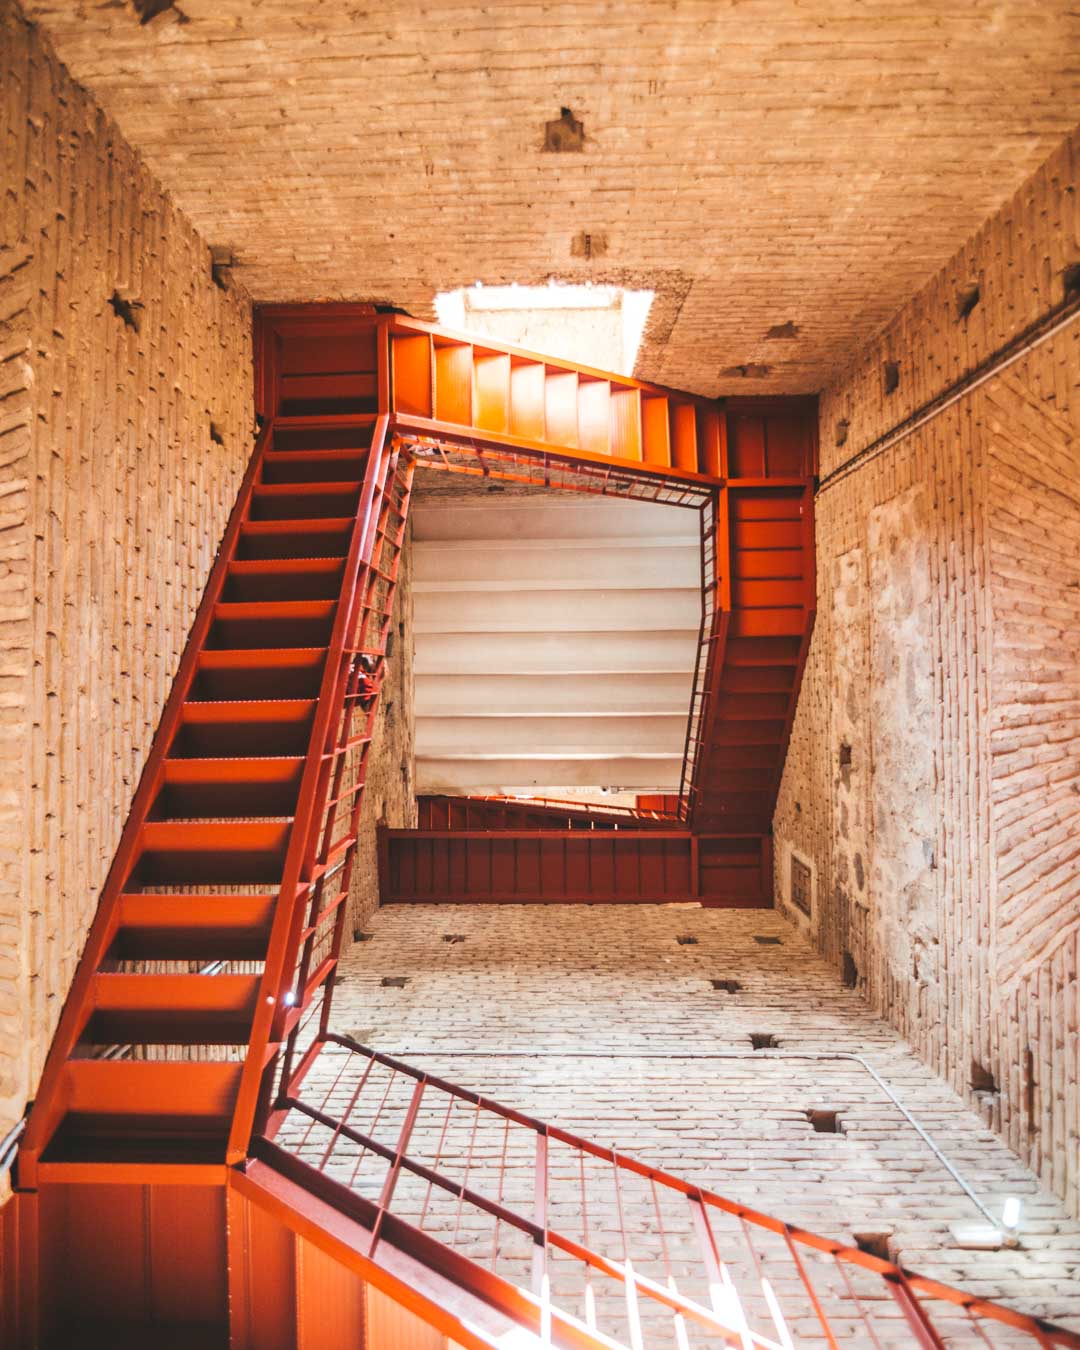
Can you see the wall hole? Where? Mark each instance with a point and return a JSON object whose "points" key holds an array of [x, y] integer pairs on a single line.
{"points": [[726, 986], [358, 936], [891, 373], [825, 1122], [874, 1244], [966, 300], [747, 371], [849, 971], [588, 244], [764, 1040], [125, 310], [453, 937], [1030, 1089], [842, 429], [783, 330], [981, 1079], [768, 941], [221, 261], [564, 134], [215, 434], [687, 940], [1071, 277], [395, 981], [845, 755], [150, 9]]}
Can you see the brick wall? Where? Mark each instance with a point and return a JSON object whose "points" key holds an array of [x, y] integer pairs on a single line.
{"points": [[121, 451], [932, 775], [599, 1019]]}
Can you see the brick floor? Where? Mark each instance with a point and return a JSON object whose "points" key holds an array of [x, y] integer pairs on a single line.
{"points": [[599, 1019]]}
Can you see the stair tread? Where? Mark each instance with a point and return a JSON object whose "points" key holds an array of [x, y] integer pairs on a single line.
{"points": [[301, 525], [264, 609], [314, 456], [280, 566], [151, 1089], [245, 709], [153, 1009], [332, 487]]}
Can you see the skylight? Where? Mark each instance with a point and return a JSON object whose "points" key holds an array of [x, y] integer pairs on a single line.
{"points": [[592, 325]]}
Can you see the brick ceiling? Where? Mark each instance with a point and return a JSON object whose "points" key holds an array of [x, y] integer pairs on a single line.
{"points": [[760, 163]]}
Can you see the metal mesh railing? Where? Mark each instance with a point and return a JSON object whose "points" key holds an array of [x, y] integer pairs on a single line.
{"points": [[613, 1252]]}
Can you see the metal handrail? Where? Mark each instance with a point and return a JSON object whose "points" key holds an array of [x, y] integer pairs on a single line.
{"points": [[739, 1275]]}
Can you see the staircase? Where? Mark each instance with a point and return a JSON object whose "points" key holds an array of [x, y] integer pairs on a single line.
{"points": [[222, 916]]}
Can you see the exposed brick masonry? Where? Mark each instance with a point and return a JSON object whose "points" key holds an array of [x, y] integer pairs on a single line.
{"points": [[945, 849], [763, 166], [122, 445]]}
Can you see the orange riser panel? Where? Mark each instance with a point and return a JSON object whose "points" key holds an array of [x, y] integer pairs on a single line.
{"points": [[522, 399], [171, 1009], [160, 927]]}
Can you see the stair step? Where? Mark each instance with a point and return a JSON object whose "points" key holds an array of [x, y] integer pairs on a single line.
{"points": [[276, 579], [288, 539], [229, 787], [171, 1009], [193, 927], [762, 651], [258, 673], [300, 434], [722, 758], [748, 732], [758, 679], [753, 706], [145, 1111], [285, 623], [304, 501], [258, 728], [185, 853], [313, 466], [143, 1096]]}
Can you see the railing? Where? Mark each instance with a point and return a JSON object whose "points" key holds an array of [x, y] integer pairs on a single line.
{"points": [[515, 812], [462, 387], [715, 607], [613, 1252]]}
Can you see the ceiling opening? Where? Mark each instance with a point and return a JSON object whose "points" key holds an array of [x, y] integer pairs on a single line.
{"points": [[598, 326]]}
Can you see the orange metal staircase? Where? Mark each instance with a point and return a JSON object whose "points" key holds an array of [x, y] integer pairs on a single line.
{"points": [[207, 1162], [222, 913]]}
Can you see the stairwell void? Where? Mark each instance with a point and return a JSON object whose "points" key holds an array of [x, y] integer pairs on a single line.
{"points": [[174, 1095]]}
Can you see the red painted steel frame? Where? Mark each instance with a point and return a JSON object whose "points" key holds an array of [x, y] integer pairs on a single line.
{"points": [[533, 865]]}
